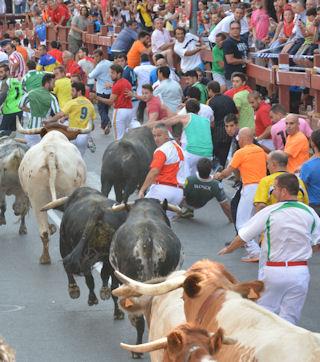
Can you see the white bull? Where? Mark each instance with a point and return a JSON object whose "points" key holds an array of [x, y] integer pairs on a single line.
{"points": [[51, 169], [162, 313]]}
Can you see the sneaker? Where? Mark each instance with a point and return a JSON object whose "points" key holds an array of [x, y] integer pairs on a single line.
{"points": [[187, 213], [107, 130], [250, 259], [91, 145]]}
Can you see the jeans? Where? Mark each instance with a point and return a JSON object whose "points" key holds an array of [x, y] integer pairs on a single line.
{"points": [[103, 111], [21, 8]]}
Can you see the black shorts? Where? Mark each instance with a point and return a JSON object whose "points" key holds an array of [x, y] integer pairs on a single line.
{"points": [[8, 123]]}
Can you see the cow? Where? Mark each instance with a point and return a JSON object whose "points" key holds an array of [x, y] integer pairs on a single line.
{"points": [[7, 354], [87, 227], [49, 170], [126, 162], [212, 301], [11, 155], [162, 313], [145, 247], [188, 342]]}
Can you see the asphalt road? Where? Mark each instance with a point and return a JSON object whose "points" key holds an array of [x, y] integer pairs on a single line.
{"points": [[42, 323]]}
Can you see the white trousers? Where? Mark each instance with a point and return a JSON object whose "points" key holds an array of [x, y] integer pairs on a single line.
{"points": [[173, 195], [121, 120], [286, 290], [32, 139], [81, 142], [191, 161], [244, 213]]}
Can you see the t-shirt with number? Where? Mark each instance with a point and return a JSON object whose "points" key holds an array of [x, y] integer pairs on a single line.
{"points": [[199, 191], [80, 111], [119, 88]]}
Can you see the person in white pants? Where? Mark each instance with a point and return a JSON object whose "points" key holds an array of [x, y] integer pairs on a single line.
{"points": [[250, 160], [121, 102], [291, 229], [166, 175]]}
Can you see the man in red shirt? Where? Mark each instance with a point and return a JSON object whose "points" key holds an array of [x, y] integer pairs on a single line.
{"points": [[121, 102], [58, 13], [262, 119], [72, 67], [166, 175], [55, 51]]}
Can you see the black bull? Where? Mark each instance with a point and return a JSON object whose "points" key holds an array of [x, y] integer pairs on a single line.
{"points": [[145, 247], [125, 163], [86, 231]]}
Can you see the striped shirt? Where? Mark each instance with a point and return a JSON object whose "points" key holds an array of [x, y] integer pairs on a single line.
{"points": [[17, 58], [32, 80], [42, 104]]}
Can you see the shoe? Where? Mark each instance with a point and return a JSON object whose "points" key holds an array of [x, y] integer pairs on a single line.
{"points": [[187, 213], [91, 145], [250, 259], [107, 130]]}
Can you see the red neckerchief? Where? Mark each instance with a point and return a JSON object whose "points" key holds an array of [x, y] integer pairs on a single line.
{"points": [[232, 92]]}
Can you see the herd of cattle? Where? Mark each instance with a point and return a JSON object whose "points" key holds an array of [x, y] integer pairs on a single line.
{"points": [[201, 314]]}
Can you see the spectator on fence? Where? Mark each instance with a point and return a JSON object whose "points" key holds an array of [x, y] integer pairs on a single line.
{"points": [[260, 25], [40, 30], [278, 129], [19, 6], [46, 61], [297, 144], [218, 62], [144, 9], [310, 173], [262, 119], [55, 51], [87, 64], [188, 47], [101, 74], [62, 86], [79, 25], [235, 53], [169, 91], [59, 14], [160, 61], [141, 46], [17, 64], [221, 106], [225, 24], [127, 36], [161, 41]]}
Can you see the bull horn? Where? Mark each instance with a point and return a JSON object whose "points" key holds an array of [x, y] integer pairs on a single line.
{"points": [[88, 129], [54, 204], [124, 291], [174, 208], [22, 130], [146, 347], [122, 206], [152, 289]]}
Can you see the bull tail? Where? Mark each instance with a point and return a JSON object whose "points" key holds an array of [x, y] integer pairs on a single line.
{"points": [[52, 166]]}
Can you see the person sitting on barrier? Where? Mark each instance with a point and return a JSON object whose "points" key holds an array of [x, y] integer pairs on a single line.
{"points": [[199, 189]]}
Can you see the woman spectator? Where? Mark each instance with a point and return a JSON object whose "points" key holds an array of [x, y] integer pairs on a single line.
{"points": [[78, 26]]}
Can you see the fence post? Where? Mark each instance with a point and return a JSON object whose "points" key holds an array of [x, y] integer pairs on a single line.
{"points": [[316, 72], [284, 93]]}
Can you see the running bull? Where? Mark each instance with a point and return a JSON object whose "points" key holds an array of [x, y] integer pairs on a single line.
{"points": [[87, 227], [145, 247], [11, 155], [125, 163], [52, 168]]}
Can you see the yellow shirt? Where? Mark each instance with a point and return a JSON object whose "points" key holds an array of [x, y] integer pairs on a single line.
{"points": [[265, 188], [62, 89], [145, 14], [80, 111]]}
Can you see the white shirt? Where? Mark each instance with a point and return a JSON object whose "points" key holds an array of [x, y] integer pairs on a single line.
{"points": [[224, 27], [170, 93], [190, 43], [3, 57], [142, 72], [291, 231], [159, 38]]}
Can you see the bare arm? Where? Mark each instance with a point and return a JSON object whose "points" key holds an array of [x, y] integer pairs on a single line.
{"points": [[175, 120], [259, 206], [225, 173], [150, 179], [230, 59], [266, 134], [107, 101], [236, 243], [55, 118]]}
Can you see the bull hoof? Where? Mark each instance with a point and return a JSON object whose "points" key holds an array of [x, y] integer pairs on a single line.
{"points": [[74, 291], [118, 315], [52, 229], [136, 355], [105, 293], [45, 259], [22, 230], [3, 220], [92, 300]]}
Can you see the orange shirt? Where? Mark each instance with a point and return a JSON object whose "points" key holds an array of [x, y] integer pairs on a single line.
{"points": [[297, 148], [134, 53], [23, 52], [250, 160]]}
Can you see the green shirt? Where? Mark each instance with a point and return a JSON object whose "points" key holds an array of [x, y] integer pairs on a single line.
{"points": [[11, 103], [203, 91], [217, 56], [198, 191], [246, 113], [198, 135], [32, 80]]}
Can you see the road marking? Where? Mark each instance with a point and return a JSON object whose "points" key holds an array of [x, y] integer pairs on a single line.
{"points": [[11, 308]]}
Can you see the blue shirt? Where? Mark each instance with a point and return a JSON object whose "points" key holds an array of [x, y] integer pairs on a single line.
{"points": [[310, 175], [41, 31], [101, 73], [124, 40], [153, 76]]}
